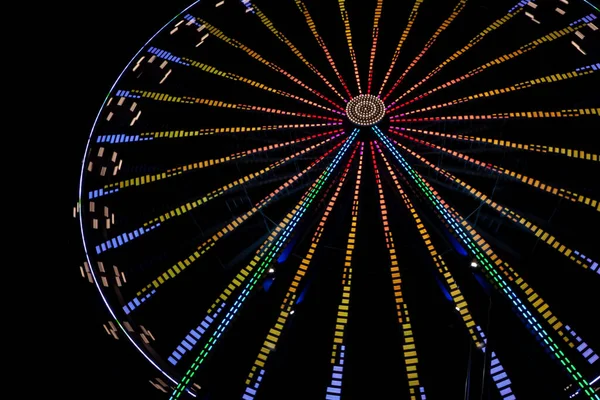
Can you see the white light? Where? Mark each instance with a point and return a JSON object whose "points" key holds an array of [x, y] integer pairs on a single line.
{"points": [[293, 311], [365, 110], [474, 264], [271, 270]]}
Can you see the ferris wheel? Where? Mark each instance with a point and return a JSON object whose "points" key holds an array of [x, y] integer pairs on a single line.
{"points": [[340, 199]]}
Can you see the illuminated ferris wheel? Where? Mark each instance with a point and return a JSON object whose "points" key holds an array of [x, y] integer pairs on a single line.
{"points": [[344, 199]]}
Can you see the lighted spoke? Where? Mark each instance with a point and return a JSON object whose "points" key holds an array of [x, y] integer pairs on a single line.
{"points": [[499, 375], [263, 259], [457, 10], [255, 377], [526, 48], [411, 359], [560, 192], [378, 8], [267, 22], [235, 43], [536, 148], [348, 31], [321, 42]]}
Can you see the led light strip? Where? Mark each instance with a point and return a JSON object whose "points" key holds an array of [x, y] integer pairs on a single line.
{"points": [[515, 10], [497, 372], [577, 73], [460, 302], [550, 240], [538, 148], [455, 12], [150, 289], [411, 360], [491, 272], [235, 43], [375, 35], [272, 248], [574, 27], [122, 138], [123, 238], [321, 42], [149, 178], [282, 38], [560, 192], [334, 390], [572, 113], [235, 77], [348, 31], [411, 20], [216, 103], [255, 376]]}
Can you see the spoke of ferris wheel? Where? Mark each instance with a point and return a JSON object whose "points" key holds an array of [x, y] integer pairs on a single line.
{"points": [[564, 331], [577, 73], [455, 12], [537, 148], [560, 192], [255, 376], [150, 289], [460, 303], [266, 22], [235, 43], [375, 34], [173, 172], [569, 113], [488, 264], [262, 260], [574, 255], [411, 359], [178, 134], [334, 389], [238, 78], [515, 10], [216, 103], [154, 223], [321, 42], [346, 21], [526, 48], [411, 20]]}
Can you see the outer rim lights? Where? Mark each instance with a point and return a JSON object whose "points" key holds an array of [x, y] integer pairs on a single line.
{"points": [[365, 110]]}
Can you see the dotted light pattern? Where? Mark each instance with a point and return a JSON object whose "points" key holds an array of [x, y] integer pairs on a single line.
{"points": [[375, 35], [185, 208], [365, 110], [572, 113], [255, 376], [222, 104], [149, 178], [460, 303], [488, 266], [334, 390], [411, 360], [499, 376], [538, 148], [348, 31], [493, 26], [178, 134], [267, 22], [321, 42], [235, 43], [457, 10], [560, 192], [544, 236], [235, 77], [180, 266], [526, 48], [579, 72], [411, 20], [264, 257]]}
